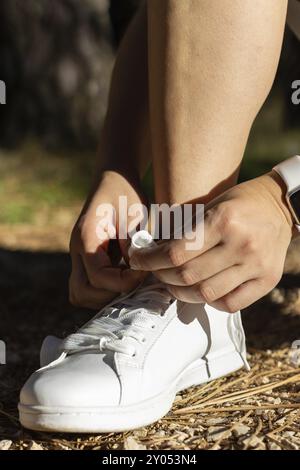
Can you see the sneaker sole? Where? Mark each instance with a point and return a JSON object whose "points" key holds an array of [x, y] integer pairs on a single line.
{"points": [[125, 418]]}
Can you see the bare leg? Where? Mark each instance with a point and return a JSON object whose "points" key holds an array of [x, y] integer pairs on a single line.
{"points": [[211, 66], [125, 140]]}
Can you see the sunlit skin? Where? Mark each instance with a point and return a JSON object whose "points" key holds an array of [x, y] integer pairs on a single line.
{"points": [[189, 81]]}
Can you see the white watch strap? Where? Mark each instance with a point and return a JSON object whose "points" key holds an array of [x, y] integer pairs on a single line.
{"points": [[289, 170]]}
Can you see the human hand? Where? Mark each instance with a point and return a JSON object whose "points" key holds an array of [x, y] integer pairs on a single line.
{"points": [[96, 277], [247, 231]]}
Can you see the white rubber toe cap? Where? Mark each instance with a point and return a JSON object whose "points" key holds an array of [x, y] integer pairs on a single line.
{"points": [[83, 380]]}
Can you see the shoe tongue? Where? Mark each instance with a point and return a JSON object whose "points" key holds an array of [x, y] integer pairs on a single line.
{"points": [[157, 295], [157, 299]]}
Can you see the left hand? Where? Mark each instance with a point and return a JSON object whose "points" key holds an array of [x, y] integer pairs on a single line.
{"points": [[247, 231]]}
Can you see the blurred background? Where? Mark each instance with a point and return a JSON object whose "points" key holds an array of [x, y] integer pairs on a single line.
{"points": [[56, 58]]}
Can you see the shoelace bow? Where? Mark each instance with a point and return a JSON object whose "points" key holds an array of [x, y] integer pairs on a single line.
{"points": [[127, 317]]}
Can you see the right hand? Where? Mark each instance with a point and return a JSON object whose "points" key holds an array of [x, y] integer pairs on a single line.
{"points": [[95, 278]]}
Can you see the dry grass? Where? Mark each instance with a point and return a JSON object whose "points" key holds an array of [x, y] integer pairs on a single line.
{"points": [[256, 410]]}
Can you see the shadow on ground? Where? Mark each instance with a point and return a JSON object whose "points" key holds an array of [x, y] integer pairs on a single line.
{"points": [[33, 303]]}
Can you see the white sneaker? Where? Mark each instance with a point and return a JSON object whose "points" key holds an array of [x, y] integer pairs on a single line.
{"points": [[123, 369]]}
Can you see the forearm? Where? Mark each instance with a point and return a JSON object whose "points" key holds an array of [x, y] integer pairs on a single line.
{"points": [[211, 66]]}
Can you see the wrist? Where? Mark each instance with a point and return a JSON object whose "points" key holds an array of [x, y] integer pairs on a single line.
{"points": [[110, 186], [116, 180], [277, 189]]}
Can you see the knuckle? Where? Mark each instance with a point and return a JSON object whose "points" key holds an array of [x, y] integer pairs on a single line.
{"points": [[249, 246], [178, 293], [175, 256], [94, 281], [73, 299], [261, 264], [160, 275], [74, 293], [75, 302], [206, 292], [143, 260], [230, 304], [174, 291], [273, 278], [226, 219], [186, 276], [210, 214]]}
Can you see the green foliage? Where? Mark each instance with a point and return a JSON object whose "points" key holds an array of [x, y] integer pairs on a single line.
{"points": [[33, 181]]}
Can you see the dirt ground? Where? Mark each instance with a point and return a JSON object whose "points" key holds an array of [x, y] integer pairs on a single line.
{"points": [[256, 410]]}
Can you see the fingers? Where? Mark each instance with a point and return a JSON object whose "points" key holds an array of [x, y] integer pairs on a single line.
{"points": [[203, 267], [174, 253], [213, 288], [124, 248], [81, 292], [102, 275], [115, 279], [242, 296], [94, 281]]}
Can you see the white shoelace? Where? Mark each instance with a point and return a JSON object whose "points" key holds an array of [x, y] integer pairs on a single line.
{"points": [[129, 316]]}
